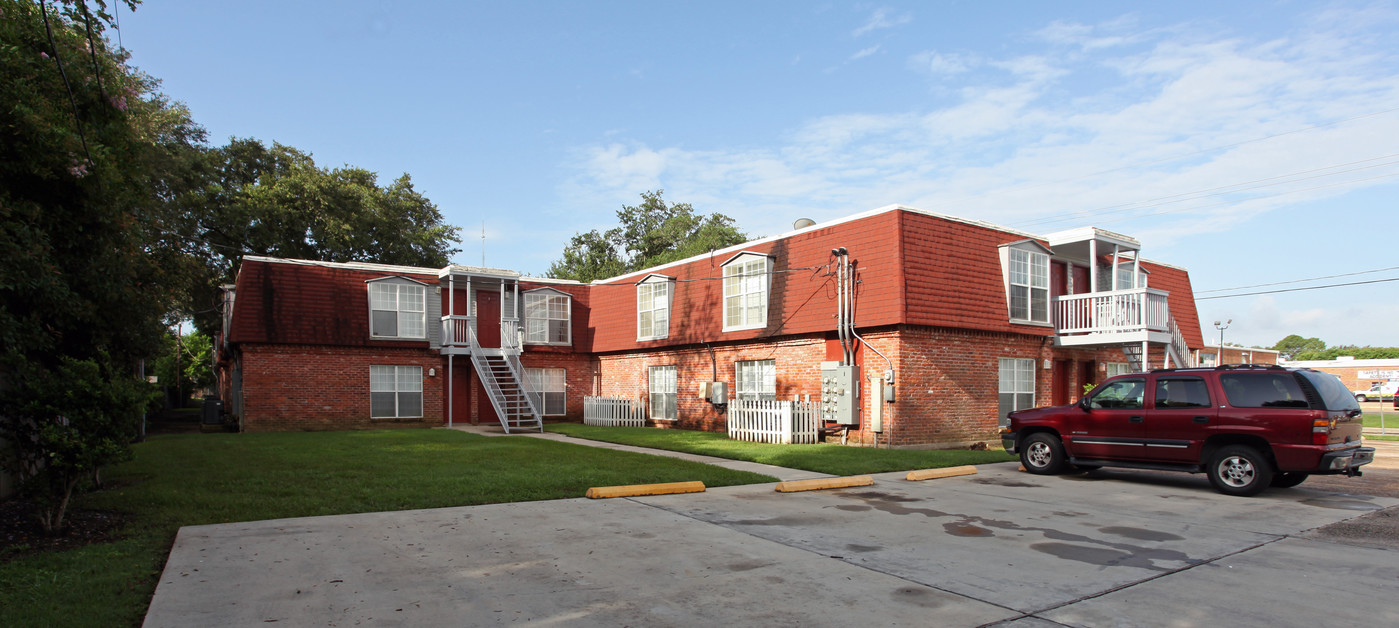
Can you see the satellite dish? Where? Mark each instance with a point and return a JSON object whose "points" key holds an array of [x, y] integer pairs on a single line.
{"points": [[803, 223]]}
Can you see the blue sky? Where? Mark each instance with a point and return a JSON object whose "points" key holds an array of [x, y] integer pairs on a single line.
{"points": [[1250, 142]]}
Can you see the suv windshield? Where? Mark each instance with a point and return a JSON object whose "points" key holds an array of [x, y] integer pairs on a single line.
{"points": [[1334, 395]]}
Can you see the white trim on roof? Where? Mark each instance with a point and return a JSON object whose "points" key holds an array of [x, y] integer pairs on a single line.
{"points": [[851, 218], [384, 268]]}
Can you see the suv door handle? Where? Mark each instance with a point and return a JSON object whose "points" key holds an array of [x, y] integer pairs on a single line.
{"points": [[1201, 419], [1136, 419]]}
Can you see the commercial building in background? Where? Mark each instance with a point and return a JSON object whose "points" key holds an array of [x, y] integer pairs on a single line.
{"points": [[905, 326]]}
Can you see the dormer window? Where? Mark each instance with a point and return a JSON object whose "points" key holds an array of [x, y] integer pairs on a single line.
{"points": [[653, 298], [547, 316], [1026, 271], [396, 308], [747, 277]]}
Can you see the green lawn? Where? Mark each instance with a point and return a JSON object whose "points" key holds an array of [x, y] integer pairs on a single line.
{"points": [[182, 480], [1391, 420], [832, 459]]}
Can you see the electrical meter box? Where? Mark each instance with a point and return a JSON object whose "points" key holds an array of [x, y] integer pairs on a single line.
{"points": [[840, 393], [719, 393]]}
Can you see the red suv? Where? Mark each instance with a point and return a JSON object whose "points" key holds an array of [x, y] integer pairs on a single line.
{"points": [[1246, 427]]}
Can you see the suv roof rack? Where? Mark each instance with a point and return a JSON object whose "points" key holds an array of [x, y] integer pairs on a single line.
{"points": [[1222, 367]]}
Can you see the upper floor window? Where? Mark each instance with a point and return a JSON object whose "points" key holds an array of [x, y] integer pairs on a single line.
{"points": [[653, 296], [746, 281], [547, 314], [1028, 284], [396, 309]]}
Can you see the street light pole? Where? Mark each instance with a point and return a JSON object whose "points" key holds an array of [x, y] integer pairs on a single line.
{"points": [[1221, 327]]}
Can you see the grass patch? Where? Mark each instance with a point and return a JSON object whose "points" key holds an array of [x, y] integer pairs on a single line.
{"points": [[1391, 420], [1394, 436], [823, 458], [194, 479]]}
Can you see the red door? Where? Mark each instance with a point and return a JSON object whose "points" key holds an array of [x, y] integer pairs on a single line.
{"points": [[1059, 382], [488, 319], [1081, 283], [1088, 371], [1058, 280]]}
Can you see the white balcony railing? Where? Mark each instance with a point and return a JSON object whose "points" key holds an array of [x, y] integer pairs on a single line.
{"points": [[460, 332], [1120, 311]]}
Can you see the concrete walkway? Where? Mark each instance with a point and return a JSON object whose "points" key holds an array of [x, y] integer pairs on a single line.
{"points": [[781, 473]]}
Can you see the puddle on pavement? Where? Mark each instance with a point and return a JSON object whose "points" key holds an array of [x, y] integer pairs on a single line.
{"points": [[962, 528], [1340, 503], [1140, 534], [1010, 483], [917, 596]]}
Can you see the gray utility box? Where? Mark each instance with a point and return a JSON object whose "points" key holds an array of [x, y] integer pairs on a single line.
{"points": [[840, 393]]}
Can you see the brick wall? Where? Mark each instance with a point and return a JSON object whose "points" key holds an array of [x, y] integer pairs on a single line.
{"points": [[306, 388]]}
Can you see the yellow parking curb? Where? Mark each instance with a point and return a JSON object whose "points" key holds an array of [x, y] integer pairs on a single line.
{"points": [[820, 483], [933, 474], [634, 490]]}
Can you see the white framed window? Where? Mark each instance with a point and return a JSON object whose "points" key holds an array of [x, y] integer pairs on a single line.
{"points": [[664, 393], [1126, 277], [396, 310], [551, 386], [746, 281], [756, 379], [1118, 368], [395, 392], [1028, 285], [653, 296], [1209, 359], [1017, 385], [547, 314]]}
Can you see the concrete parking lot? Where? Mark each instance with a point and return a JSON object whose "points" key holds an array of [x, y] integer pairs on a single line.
{"points": [[1000, 547]]}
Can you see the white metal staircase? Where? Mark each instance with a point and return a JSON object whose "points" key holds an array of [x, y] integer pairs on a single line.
{"points": [[504, 379], [1177, 352]]}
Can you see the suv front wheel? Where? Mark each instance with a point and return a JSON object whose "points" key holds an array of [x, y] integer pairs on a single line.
{"points": [[1042, 454], [1239, 470]]}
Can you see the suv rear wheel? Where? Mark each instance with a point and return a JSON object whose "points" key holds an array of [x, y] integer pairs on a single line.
{"points": [[1042, 454], [1239, 470]]}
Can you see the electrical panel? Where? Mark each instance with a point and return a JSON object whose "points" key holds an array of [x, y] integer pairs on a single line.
{"points": [[719, 393], [705, 390], [840, 394]]}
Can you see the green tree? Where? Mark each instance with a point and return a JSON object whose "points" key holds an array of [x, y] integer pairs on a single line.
{"points": [[193, 369], [1294, 345], [82, 287], [276, 201], [651, 233], [76, 418]]}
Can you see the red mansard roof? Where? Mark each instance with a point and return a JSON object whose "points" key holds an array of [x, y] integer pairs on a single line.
{"points": [[293, 302]]}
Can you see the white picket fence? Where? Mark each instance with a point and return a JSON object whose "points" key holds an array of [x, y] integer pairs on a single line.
{"points": [[614, 411], [766, 421]]}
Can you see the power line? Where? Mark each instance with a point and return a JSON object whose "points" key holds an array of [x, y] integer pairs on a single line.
{"points": [[1279, 283], [1334, 285]]}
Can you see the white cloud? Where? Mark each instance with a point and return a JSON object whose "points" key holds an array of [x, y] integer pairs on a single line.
{"points": [[1022, 141], [881, 19], [865, 53]]}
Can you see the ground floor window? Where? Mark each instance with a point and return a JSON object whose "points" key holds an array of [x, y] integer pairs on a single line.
{"points": [[664, 394], [549, 383], [1208, 359], [1118, 368], [1017, 385], [756, 379], [395, 392]]}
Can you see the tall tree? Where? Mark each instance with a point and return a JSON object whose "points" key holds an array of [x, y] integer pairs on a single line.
{"points": [[81, 295], [276, 201], [651, 233], [1295, 345]]}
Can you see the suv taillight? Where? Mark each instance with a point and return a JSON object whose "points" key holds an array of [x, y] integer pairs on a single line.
{"points": [[1321, 431]]}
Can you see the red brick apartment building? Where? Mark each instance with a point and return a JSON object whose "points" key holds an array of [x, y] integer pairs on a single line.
{"points": [[963, 320]]}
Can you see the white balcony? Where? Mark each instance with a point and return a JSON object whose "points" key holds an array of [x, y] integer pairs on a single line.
{"points": [[1116, 317], [459, 337]]}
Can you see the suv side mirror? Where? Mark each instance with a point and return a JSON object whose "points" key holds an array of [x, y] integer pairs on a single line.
{"points": [[1083, 404]]}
